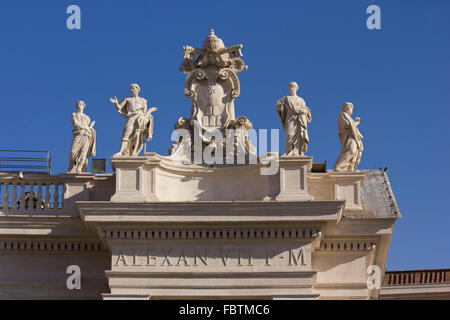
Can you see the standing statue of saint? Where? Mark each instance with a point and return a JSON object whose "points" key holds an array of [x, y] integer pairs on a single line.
{"points": [[294, 116], [138, 128], [83, 142], [351, 140]]}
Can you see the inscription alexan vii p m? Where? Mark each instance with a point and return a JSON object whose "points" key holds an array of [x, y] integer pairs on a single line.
{"points": [[176, 257]]}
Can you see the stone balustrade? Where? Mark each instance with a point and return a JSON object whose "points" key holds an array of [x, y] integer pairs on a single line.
{"points": [[43, 194], [146, 179], [33, 193]]}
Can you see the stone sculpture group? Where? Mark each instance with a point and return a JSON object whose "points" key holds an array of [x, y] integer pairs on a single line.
{"points": [[212, 85]]}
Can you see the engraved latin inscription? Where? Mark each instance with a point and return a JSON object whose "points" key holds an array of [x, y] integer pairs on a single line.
{"points": [[214, 257]]}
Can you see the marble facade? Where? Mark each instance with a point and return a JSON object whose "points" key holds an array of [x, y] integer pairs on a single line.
{"points": [[216, 232]]}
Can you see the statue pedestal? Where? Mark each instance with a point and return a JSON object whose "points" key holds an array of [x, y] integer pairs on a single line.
{"points": [[135, 179], [293, 178], [76, 186]]}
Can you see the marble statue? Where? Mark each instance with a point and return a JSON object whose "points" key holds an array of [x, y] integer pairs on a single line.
{"points": [[241, 142], [212, 85], [351, 140], [83, 142], [294, 116], [138, 128]]}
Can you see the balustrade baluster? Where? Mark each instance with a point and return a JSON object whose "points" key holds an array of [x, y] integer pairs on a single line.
{"points": [[56, 197], [31, 197], [6, 196], [14, 196], [23, 203], [39, 196], [47, 195], [64, 190]]}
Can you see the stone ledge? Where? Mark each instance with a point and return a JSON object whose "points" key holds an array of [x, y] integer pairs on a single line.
{"points": [[222, 211]]}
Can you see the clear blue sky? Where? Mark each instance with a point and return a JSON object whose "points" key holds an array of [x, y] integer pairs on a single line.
{"points": [[397, 78]]}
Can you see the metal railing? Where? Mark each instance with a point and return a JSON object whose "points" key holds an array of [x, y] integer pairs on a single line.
{"points": [[33, 161]]}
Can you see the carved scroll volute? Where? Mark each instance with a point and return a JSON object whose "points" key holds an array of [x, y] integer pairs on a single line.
{"points": [[228, 74], [189, 92], [195, 75]]}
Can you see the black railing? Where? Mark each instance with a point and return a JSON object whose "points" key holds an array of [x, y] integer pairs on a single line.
{"points": [[34, 161]]}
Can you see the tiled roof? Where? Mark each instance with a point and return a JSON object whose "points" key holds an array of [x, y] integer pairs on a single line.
{"points": [[412, 277], [378, 201]]}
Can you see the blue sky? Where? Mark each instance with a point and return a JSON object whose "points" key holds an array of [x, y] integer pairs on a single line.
{"points": [[396, 77]]}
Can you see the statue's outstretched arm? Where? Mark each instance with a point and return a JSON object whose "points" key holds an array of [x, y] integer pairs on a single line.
{"points": [[122, 105], [119, 106]]}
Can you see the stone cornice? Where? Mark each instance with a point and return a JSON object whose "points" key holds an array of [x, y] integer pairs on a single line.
{"points": [[210, 212], [23, 225], [52, 245], [206, 274], [365, 226], [211, 233], [347, 245]]}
